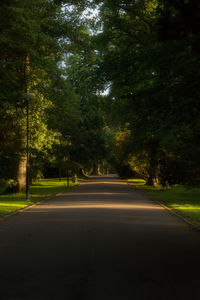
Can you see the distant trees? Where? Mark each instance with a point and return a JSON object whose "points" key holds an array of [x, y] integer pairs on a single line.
{"points": [[82, 70]]}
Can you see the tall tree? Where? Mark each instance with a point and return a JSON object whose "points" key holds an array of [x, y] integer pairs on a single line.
{"points": [[33, 40], [150, 59]]}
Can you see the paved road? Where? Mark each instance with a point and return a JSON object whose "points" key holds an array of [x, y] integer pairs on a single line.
{"points": [[102, 240]]}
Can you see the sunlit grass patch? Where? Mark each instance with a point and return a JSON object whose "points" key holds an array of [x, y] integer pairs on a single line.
{"points": [[41, 189], [137, 181], [10, 203], [185, 200], [47, 187]]}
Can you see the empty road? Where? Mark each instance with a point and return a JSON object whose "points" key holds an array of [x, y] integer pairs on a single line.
{"points": [[102, 240]]}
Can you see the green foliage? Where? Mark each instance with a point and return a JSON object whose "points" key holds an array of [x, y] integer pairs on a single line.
{"points": [[88, 143], [146, 52], [33, 43], [151, 60], [24, 41]]}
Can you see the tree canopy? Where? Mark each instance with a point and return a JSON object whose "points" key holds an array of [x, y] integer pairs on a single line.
{"points": [[144, 54]]}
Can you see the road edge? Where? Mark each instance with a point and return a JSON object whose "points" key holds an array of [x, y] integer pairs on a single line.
{"points": [[21, 210], [18, 211], [169, 209]]}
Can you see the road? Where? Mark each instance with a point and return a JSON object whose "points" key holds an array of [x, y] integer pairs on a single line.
{"points": [[102, 240]]}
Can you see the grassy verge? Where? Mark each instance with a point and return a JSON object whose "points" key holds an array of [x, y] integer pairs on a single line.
{"points": [[41, 189], [185, 200]]}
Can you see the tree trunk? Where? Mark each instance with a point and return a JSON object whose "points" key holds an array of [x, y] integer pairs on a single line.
{"points": [[150, 181], [60, 174], [152, 167], [95, 169], [21, 176]]}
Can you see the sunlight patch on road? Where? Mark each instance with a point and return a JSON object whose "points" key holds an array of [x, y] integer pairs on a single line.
{"points": [[96, 193], [81, 205], [104, 182]]}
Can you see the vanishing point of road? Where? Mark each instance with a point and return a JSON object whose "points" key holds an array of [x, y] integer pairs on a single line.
{"points": [[102, 240]]}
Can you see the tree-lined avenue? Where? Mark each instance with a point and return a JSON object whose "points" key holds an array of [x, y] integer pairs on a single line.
{"points": [[102, 240]]}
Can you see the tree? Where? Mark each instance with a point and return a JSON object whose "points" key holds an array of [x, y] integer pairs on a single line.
{"points": [[32, 34], [150, 59]]}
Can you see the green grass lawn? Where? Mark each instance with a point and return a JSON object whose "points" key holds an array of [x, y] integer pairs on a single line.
{"points": [[185, 200], [41, 189]]}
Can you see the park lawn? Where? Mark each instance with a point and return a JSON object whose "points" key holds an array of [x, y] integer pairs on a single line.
{"points": [[185, 200], [41, 189]]}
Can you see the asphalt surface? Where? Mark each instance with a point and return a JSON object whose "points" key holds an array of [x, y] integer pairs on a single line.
{"points": [[102, 240]]}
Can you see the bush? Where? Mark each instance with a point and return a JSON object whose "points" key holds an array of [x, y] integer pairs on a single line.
{"points": [[11, 186]]}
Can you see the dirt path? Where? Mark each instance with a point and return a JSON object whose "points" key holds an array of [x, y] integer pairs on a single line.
{"points": [[103, 240]]}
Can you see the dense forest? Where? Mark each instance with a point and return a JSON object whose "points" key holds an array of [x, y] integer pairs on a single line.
{"points": [[114, 84]]}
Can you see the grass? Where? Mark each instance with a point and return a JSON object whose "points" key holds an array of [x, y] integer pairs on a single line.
{"points": [[41, 189], [185, 200]]}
